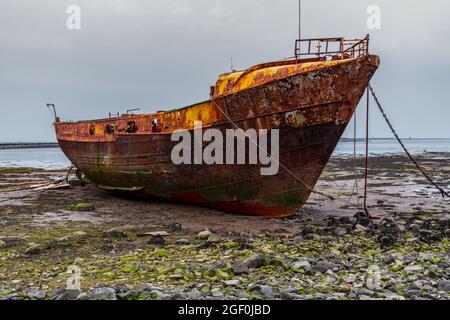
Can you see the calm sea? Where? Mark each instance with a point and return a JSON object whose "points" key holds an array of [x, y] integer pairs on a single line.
{"points": [[53, 158]]}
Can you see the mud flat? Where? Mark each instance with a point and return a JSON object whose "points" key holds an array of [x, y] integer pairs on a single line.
{"points": [[133, 249]]}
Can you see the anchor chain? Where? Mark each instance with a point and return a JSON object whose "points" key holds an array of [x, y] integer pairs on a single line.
{"points": [[443, 192]]}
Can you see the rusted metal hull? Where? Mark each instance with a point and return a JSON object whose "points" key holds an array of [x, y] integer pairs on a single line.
{"points": [[310, 108]]}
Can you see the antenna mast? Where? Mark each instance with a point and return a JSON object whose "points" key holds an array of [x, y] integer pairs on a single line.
{"points": [[299, 19]]}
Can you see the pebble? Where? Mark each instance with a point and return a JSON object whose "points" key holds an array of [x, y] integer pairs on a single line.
{"points": [[102, 293], [234, 282], [36, 294], [387, 240], [364, 297], [413, 293], [115, 233], [389, 260], [255, 261], [301, 265], [239, 268], [345, 288], [286, 295], [323, 266], [388, 226], [366, 292], [83, 207], [33, 249], [413, 268], [182, 242], [444, 285], [204, 235], [68, 294], [177, 296], [430, 235], [83, 296], [340, 231], [216, 293], [12, 296], [359, 229], [414, 228], [156, 240], [242, 295], [267, 292], [174, 227]]}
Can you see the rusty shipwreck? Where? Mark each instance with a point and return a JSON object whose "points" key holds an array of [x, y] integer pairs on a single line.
{"points": [[310, 98]]}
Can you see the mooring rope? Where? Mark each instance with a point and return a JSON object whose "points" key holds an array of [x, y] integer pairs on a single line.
{"points": [[414, 161]]}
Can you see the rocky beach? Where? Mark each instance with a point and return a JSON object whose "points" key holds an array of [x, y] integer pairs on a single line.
{"points": [[114, 247]]}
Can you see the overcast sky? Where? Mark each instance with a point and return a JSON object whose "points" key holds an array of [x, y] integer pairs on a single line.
{"points": [[161, 54]]}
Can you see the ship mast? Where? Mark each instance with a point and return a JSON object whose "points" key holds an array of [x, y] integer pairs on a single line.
{"points": [[299, 19]]}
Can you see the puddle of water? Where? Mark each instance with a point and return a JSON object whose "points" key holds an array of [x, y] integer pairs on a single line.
{"points": [[72, 216]]}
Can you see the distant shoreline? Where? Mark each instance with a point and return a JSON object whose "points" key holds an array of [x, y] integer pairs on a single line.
{"points": [[38, 145], [42, 145], [345, 139]]}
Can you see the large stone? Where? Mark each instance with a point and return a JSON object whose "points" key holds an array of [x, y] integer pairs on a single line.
{"points": [[240, 268], [388, 227], [232, 283], [309, 231], [413, 293], [413, 268], [389, 259], [323, 266], [414, 228], [387, 240], [363, 219], [432, 224], [339, 231], [34, 248], [300, 265], [114, 233], [216, 293], [102, 293], [68, 294], [288, 293], [359, 229], [156, 240], [204, 235], [36, 294], [267, 292], [11, 296], [255, 261], [182, 242], [142, 287], [444, 285], [174, 226], [83, 296], [430, 235]]}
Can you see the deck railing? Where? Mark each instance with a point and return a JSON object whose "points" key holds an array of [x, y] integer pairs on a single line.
{"points": [[331, 48]]}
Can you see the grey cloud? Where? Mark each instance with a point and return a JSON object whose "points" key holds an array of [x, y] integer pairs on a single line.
{"points": [[165, 53]]}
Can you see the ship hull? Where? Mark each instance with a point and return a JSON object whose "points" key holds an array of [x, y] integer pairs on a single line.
{"points": [[310, 109]]}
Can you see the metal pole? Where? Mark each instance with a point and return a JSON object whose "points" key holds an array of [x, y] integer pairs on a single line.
{"points": [[299, 19], [367, 152]]}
